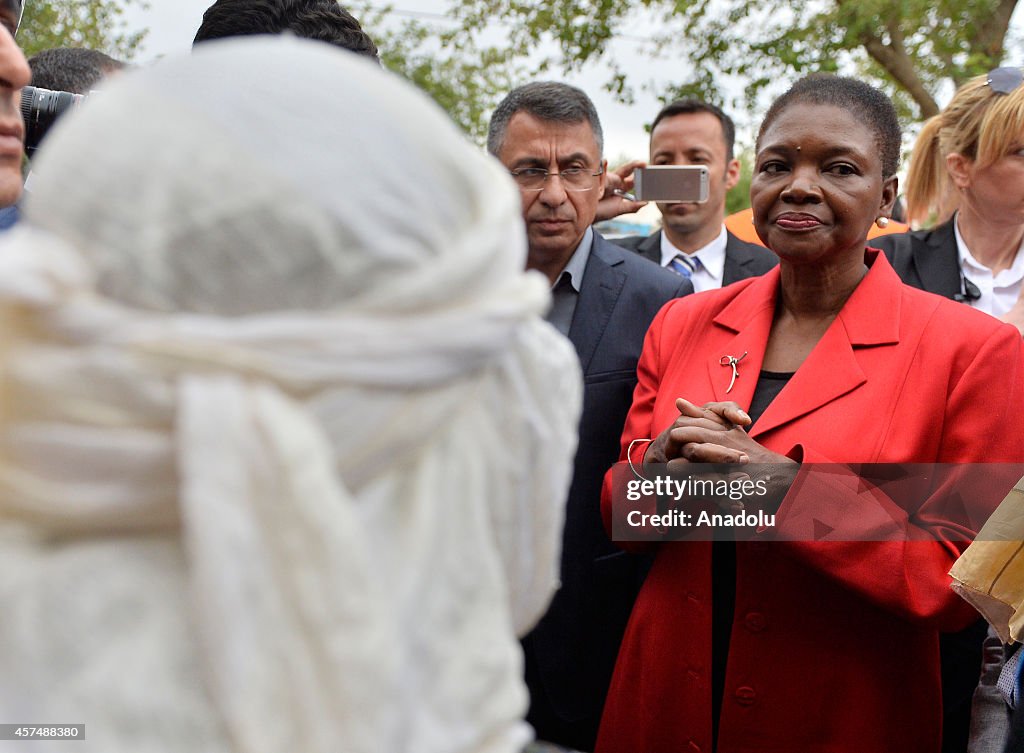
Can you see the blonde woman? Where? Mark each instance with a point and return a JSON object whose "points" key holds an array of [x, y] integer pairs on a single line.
{"points": [[967, 175]]}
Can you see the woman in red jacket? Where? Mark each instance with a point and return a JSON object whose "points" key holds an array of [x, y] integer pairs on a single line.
{"points": [[821, 634]]}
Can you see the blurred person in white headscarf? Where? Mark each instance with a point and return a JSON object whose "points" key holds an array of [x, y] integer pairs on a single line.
{"points": [[284, 443]]}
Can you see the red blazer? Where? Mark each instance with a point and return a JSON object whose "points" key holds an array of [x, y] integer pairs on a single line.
{"points": [[834, 645]]}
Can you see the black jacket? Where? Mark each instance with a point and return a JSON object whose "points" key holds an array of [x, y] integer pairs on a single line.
{"points": [[925, 259], [742, 259], [571, 653], [929, 260]]}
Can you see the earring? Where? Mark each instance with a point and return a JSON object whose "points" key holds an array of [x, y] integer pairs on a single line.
{"points": [[882, 222]]}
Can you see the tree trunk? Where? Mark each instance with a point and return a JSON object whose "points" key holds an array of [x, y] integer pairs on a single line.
{"points": [[992, 33]]}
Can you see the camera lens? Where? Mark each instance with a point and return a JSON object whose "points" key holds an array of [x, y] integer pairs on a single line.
{"points": [[40, 108]]}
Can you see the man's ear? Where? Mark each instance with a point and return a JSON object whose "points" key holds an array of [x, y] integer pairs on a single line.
{"points": [[604, 177], [732, 173], [960, 169]]}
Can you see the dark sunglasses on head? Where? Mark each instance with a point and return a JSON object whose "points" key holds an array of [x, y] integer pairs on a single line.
{"points": [[1005, 80]]}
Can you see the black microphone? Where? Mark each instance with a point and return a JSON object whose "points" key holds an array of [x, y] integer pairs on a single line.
{"points": [[968, 291]]}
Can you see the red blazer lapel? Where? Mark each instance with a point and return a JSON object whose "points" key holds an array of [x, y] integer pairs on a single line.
{"points": [[832, 369], [743, 328]]}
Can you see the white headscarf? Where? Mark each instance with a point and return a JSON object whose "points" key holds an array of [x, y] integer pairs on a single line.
{"points": [[280, 419]]}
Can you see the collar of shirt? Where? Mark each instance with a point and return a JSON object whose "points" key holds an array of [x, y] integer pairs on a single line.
{"points": [[998, 292], [565, 293], [572, 273], [712, 260]]}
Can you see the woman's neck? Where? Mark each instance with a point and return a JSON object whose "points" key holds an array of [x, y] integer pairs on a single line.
{"points": [[819, 292], [992, 244], [810, 298]]}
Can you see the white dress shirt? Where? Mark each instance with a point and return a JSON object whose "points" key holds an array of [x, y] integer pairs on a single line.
{"points": [[998, 292], [709, 274]]}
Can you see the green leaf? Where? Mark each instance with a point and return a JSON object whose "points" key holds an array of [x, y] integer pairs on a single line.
{"points": [[94, 24], [484, 47]]}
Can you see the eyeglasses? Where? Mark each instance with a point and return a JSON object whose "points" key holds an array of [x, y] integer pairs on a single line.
{"points": [[1004, 80], [573, 178]]}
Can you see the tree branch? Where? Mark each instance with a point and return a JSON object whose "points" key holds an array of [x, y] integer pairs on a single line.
{"points": [[991, 36], [894, 59]]}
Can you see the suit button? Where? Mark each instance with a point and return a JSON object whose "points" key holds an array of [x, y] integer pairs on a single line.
{"points": [[755, 622], [745, 695], [694, 747]]}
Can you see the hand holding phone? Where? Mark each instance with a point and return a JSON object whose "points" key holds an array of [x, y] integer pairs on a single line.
{"points": [[672, 183]]}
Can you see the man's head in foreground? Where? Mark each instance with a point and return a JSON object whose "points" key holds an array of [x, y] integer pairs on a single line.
{"points": [[71, 69], [320, 20]]}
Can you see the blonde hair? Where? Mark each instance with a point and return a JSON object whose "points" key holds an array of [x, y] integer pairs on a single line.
{"points": [[978, 123]]}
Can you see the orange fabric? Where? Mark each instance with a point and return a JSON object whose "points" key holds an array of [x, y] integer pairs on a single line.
{"points": [[834, 648], [741, 224]]}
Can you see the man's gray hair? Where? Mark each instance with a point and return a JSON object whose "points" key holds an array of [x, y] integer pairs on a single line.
{"points": [[545, 100]]}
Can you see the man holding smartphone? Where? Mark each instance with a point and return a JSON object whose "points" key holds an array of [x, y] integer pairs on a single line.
{"points": [[693, 240]]}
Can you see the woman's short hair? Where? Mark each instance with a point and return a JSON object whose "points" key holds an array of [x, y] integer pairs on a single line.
{"points": [[872, 107], [981, 124]]}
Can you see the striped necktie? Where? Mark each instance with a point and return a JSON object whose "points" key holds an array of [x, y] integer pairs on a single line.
{"points": [[685, 265]]}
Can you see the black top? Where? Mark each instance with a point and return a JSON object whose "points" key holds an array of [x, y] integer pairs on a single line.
{"points": [[925, 259], [723, 567], [769, 385]]}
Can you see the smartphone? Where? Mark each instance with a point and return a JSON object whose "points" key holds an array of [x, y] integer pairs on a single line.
{"points": [[671, 183]]}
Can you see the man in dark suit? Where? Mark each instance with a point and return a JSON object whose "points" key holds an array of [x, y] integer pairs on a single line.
{"points": [[693, 240], [549, 137]]}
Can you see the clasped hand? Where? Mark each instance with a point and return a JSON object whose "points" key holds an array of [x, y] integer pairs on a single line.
{"points": [[716, 433]]}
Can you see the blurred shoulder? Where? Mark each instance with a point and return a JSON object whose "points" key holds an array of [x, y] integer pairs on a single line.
{"points": [[632, 242]]}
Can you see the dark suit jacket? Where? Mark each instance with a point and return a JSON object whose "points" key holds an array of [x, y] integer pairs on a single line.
{"points": [[925, 259], [742, 259], [571, 653], [929, 260]]}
